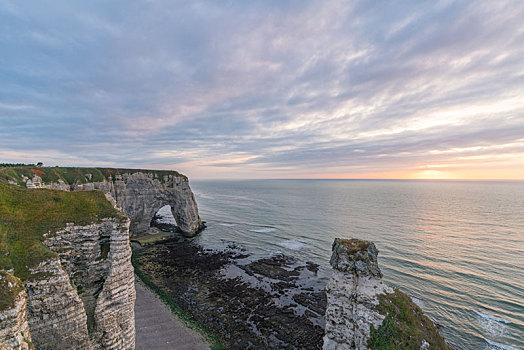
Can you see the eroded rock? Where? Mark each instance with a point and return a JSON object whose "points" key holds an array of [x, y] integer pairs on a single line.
{"points": [[85, 299], [364, 313], [14, 329], [140, 194]]}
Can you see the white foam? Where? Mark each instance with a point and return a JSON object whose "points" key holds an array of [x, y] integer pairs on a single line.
{"points": [[493, 326], [202, 195], [418, 301], [226, 224], [262, 230], [292, 244], [492, 344], [491, 318], [275, 252]]}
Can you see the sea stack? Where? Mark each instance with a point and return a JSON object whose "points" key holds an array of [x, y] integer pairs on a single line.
{"points": [[364, 313]]}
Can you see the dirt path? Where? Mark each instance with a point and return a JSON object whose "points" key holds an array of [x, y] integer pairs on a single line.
{"points": [[157, 328]]}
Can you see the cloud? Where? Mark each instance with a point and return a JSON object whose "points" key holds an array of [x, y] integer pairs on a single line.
{"points": [[276, 88]]}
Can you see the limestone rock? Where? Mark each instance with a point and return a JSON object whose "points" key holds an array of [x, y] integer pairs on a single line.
{"points": [[75, 289], [56, 316], [97, 259], [352, 295], [14, 329], [85, 299], [359, 303], [140, 195], [355, 256]]}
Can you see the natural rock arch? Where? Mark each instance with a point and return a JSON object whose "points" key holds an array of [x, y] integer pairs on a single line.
{"points": [[164, 217], [140, 195]]}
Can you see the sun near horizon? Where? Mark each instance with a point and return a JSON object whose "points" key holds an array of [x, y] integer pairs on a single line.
{"points": [[331, 89]]}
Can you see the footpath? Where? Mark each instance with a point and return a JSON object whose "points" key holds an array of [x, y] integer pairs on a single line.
{"points": [[157, 328]]}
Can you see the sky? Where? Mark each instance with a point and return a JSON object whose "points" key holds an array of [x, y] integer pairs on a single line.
{"points": [[266, 89]]}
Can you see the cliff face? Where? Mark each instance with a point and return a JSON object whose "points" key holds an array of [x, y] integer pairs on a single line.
{"points": [[140, 193], [364, 313], [85, 298], [14, 329], [70, 253], [96, 259], [55, 312]]}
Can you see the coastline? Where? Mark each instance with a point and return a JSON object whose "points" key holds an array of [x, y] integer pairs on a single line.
{"points": [[232, 300], [168, 301], [158, 328]]}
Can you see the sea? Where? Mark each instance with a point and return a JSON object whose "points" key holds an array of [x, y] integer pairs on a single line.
{"points": [[456, 247]]}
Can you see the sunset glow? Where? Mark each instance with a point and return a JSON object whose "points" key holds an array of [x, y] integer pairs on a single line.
{"points": [[331, 89]]}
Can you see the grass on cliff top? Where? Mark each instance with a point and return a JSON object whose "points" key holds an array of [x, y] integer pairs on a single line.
{"points": [[72, 175], [27, 214], [10, 288], [354, 245], [405, 325]]}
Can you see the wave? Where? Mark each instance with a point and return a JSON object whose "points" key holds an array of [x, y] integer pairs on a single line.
{"points": [[202, 195], [226, 224], [491, 318], [492, 344], [262, 230], [274, 252], [417, 300], [292, 244]]}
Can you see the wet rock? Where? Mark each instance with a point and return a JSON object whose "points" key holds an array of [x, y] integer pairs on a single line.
{"points": [[248, 304]]}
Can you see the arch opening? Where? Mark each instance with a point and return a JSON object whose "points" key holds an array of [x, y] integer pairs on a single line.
{"points": [[164, 220]]}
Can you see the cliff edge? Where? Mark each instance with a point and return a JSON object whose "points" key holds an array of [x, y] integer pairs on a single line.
{"points": [[364, 313], [139, 193], [66, 279]]}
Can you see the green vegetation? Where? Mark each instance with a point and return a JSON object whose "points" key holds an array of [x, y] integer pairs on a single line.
{"points": [[354, 245], [214, 342], [27, 214], [71, 175], [10, 287], [104, 250], [405, 326], [27, 341], [151, 238]]}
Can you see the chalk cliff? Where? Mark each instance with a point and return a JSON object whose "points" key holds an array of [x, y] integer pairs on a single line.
{"points": [[139, 193], [14, 329], [142, 194], [65, 263], [364, 313], [95, 259]]}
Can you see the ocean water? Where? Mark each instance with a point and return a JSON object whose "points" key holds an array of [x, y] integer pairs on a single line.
{"points": [[456, 247]]}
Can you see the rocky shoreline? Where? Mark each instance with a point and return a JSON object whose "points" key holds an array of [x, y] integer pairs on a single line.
{"points": [[273, 302]]}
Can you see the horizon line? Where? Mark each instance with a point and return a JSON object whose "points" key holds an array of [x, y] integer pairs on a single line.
{"points": [[359, 179]]}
